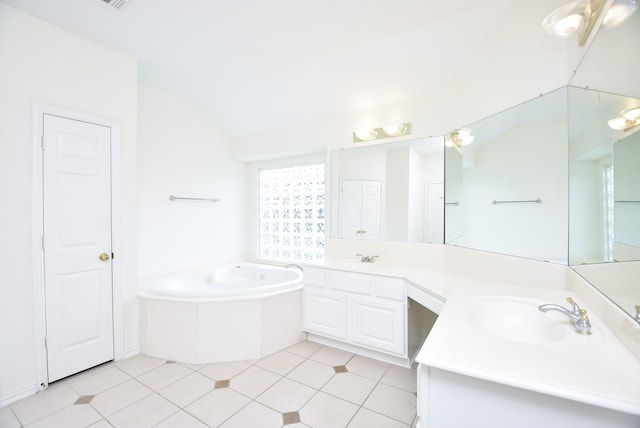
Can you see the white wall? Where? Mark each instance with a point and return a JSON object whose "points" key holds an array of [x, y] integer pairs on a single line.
{"points": [[182, 151], [44, 64]]}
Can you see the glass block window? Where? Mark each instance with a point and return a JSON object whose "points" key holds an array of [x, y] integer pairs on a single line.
{"points": [[291, 210], [607, 179]]}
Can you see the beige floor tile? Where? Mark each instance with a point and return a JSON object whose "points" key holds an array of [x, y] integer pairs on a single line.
{"points": [[281, 362], [286, 396], [304, 349], [101, 424], [164, 375], [365, 418], [8, 419], [367, 367], [145, 413], [51, 400], [99, 380], [254, 381], [119, 397], [79, 416], [312, 373], [188, 389], [350, 387], [325, 410], [331, 356], [254, 415], [181, 419], [138, 364], [217, 406], [393, 402], [224, 371], [402, 378]]}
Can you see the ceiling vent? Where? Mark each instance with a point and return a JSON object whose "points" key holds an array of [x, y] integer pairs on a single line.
{"points": [[115, 3]]}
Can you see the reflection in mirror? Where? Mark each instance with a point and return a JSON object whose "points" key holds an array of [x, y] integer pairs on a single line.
{"points": [[391, 191], [611, 67], [604, 171], [507, 191]]}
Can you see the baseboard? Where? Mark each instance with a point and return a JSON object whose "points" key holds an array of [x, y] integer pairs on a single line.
{"points": [[380, 356], [131, 352], [19, 394]]}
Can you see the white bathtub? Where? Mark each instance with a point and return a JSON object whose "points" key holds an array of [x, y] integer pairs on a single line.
{"points": [[237, 312]]}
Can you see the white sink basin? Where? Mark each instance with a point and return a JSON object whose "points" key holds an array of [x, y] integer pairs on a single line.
{"points": [[515, 319]]}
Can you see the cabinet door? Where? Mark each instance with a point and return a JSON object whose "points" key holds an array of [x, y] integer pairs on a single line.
{"points": [[325, 313], [379, 324]]}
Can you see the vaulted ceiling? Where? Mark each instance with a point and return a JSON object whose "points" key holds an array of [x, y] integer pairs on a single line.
{"points": [[259, 65]]}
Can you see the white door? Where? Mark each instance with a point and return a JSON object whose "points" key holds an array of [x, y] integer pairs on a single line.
{"points": [[435, 213], [360, 209], [77, 245]]}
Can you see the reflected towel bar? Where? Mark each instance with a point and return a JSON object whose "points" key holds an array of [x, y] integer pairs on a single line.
{"points": [[530, 201], [214, 200], [628, 201], [452, 203]]}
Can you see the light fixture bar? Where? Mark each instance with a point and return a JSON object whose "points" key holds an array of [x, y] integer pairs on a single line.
{"points": [[387, 131]]}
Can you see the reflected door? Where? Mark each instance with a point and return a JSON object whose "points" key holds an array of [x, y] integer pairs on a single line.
{"points": [[360, 204]]}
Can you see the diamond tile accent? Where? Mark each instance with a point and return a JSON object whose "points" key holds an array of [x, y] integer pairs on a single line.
{"points": [[289, 418], [340, 369], [222, 384], [84, 399]]}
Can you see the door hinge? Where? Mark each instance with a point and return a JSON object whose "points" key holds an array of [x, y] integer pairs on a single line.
{"points": [[113, 256]]}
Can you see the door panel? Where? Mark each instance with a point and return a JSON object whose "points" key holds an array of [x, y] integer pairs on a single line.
{"points": [[77, 230]]}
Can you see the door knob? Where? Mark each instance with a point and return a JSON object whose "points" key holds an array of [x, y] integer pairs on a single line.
{"points": [[104, 257]]}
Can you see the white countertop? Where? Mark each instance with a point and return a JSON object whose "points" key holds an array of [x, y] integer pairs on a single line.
{"points": [[595, 369]]}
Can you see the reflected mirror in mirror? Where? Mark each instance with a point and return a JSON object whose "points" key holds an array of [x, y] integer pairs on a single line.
{"points": [[604, 177], [610, 66], [392, 191], [506, 192]]}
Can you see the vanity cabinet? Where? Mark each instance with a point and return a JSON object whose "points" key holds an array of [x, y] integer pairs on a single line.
{"points": [[366, 311]]}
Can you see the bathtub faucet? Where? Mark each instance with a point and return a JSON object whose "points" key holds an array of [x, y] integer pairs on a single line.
{"points": [[290, 265]]}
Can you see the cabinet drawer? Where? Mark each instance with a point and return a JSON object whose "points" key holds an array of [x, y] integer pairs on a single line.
{"points": [[349, 282], [313, 277], [389, 288]]}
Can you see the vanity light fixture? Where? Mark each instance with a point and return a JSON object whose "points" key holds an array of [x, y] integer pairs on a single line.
{"points": [[458, 138], [387, 131], [619, 12], [627, 120], [574, 19]]}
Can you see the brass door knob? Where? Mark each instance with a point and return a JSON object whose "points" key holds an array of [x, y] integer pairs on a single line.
{"points": [[104, 257]]}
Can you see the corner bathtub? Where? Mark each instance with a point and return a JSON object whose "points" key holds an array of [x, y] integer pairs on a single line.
{"points": [[237, 312]]}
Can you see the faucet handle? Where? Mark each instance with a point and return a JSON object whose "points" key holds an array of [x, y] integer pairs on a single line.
{"points": [[583, 325], [575, 309]]}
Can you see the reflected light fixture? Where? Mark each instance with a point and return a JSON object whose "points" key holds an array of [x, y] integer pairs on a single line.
{"points": [[627, 120], [619, 12], [458, 138], [387, 131], [574, 19]]}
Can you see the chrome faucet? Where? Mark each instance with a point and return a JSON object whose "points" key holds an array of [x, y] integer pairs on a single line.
{"points": [[577, 316], [290, 265], [366, 258]]}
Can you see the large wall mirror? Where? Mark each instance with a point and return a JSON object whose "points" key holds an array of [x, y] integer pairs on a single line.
{"points": [[390, 191], [506, 191]]}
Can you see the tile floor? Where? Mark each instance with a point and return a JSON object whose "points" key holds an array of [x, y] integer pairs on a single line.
{"points": [[306, 385]]}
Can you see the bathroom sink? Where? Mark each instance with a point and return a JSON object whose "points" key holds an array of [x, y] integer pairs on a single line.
{"points": [[515, 319]]}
